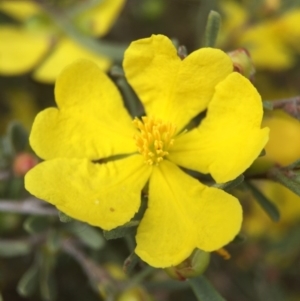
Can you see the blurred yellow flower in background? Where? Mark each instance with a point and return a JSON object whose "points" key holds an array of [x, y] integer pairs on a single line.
{"points": [[271, 39], [91, 124], [37, 44], [283, 148]]}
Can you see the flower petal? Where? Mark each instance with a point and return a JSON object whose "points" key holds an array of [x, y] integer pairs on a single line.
{"points": [[20, 10], [20, 50], [267, 48], [289, 28], [229, 139], [172, 89], [284, 130], [183, 214], [91, 121], [65, 53], [104, 195], [100, 18]]}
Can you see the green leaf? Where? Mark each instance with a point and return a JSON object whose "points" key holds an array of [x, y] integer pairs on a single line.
{"points": [[121, 231], [15, 187], [262, 153], [47, 262], [130, 263], [5, 153], [231, 184], [18, 136], [90, 236], [287, 181], [28, 284], [264, 202], [268, 105], [36, 224], [289, 243], [212, 28], [203, 290], [53, 241], [295, 165], [115, 51], [240, 238], [131, 100], [14, 248], [64, 218]]}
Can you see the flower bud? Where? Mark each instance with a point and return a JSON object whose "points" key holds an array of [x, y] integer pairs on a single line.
{"points": [[193, 266], [23, 162], [242, 62]]}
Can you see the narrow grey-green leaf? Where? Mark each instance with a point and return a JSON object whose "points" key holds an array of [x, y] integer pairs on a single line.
{"points": [[231, 184], [18, 136], [131, 100], [295, 164], [130, 263], [36, 224], [212, 29], [264, 202], [262, 153], [279, 176], [14, 248], [203, 290], [64, 218], [240, 238], [289, 243], [121, 231], [47, 282], [90, 236], [268, 105], [28, 284]]}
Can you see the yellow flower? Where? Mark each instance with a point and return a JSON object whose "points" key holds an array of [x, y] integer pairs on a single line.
{"points": [[91, 124], [271, 40], [38, 44], [284, 130], [267, 45]]}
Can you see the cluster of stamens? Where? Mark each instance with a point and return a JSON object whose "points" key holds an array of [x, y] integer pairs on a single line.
{"points": [[155, 138]]}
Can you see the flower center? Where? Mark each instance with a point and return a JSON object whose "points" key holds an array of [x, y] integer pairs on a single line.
{"points": [[155, 138]]}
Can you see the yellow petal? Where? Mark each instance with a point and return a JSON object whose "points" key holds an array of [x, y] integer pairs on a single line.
{"points": [[65, 53], [290, 28], [229, 139], [21, 10], [91, 121], [20, 50], [183, 215], [104, 195], [267, 49], [284, 130], [172, 89], [101, 17]]}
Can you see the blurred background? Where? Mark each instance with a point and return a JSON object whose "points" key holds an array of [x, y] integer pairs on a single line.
{"points": [[46, 256]]}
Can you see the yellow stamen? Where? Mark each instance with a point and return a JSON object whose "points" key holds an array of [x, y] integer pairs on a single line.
{"points": [[155, 138]]}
